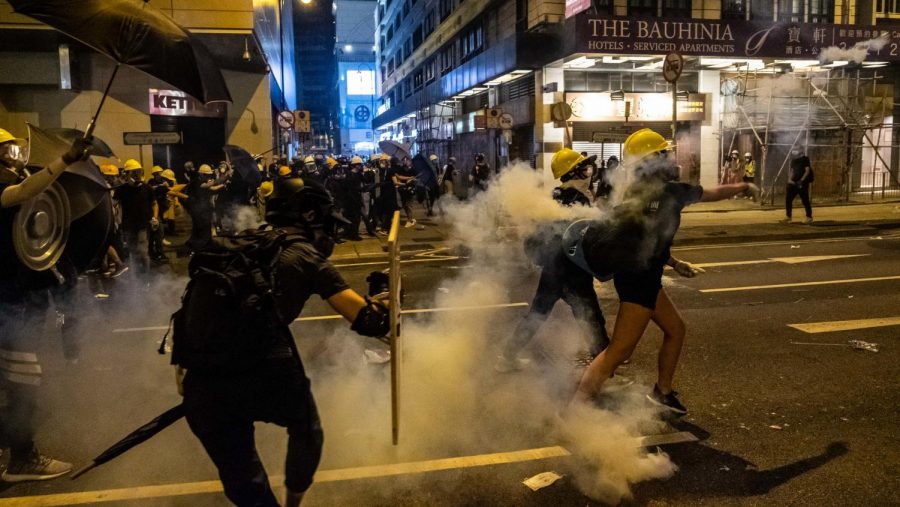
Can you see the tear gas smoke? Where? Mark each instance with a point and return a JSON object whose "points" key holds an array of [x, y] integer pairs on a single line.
{"points": [[452, 401], [857, 53]]}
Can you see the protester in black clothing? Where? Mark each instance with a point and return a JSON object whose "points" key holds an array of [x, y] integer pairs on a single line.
{"points": [[386, 202], [369, 189], [798, 184], [481, 172], [201, 194], [353, 198], [24, 301], [560, 278], [634, 246], [159, 188], [222, 409], [138, 207], [404, 178]]}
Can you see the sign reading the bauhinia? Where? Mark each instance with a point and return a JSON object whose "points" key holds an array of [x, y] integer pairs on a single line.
{"points": [[733, 38]]}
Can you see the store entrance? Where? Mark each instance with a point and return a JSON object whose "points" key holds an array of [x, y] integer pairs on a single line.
{"points": [[201, 141]]}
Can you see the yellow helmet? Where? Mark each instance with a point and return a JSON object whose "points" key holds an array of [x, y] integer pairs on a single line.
{"points": [[564, 161], [169, 175], [356, 160], [205, 169], [265, 189], [156, 169], [133, 165], [309, 160], [330, 162], [109, 170], [6, 137], [284, 171], [433, 157], [641, 144]]}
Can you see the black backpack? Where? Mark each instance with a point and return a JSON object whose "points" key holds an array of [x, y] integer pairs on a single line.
{"points": [[228, 320]]}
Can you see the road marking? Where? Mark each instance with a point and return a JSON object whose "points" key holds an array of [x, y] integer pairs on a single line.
{"points": [[785, 242], [783, 260], [801, 284], [845, 325], [343, 474], [667, 438], [408, 261], [337, 317]]}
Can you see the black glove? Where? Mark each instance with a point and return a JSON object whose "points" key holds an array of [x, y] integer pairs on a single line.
{"points": [[379, 282], [80, 150]]}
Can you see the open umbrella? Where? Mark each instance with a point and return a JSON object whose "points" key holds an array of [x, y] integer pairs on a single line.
{"points": [[100, 148], [134, 438], [394, 149], [133, 33], [243, 164]]}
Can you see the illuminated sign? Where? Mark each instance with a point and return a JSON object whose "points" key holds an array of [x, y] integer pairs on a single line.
{"points": [[178, 103], [360, 82], [644, 107]]}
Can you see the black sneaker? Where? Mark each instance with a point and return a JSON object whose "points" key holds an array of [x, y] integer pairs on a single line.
{"points": [[669, 401], [36, 467]]}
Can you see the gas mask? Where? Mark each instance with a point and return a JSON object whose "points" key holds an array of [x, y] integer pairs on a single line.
{"points": [[12, 159]]}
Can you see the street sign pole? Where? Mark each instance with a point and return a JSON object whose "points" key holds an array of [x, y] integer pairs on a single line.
{"points": [[672, 67]]}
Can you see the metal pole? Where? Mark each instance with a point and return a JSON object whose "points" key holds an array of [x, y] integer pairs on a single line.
{"points": [[90, 128], [674, 112]]}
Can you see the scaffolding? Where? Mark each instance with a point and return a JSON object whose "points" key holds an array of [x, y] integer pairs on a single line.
{"points": [[843, 119]]}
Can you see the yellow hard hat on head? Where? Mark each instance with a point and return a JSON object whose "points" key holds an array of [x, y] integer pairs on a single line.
{"points": [[156, 169], [330, 162], [564, 161], [133, 165], [284, 171], [205, 169], [309, 160], [6, 137], [169, 175], [641, 144], [109, 170], [265, 189], [356, 160]]}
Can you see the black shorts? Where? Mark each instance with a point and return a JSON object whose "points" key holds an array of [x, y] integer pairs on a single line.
{"points": [[639, 287]]}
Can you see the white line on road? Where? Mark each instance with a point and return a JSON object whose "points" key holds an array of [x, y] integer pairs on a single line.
{"points": [[801, 284], [845, 325], [784, 260], [337, 317], [775, 243]]}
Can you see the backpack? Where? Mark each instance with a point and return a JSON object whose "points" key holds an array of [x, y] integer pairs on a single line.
{"points": [[228, 321]]}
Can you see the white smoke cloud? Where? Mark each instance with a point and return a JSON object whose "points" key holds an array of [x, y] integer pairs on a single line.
{"points": [[857, 53]]}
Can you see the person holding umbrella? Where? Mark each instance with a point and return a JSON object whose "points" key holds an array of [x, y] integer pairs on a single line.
{"points": [[23, 303]]}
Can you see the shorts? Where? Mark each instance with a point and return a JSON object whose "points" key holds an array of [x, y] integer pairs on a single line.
{"points": [[639, 287]]}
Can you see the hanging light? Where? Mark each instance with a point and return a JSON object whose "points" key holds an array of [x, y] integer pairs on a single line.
{"points": [[246, 55]]}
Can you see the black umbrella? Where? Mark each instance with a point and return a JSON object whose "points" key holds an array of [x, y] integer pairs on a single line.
{"points": [[243, 164], [424, 171], [101, 149], [133, 33], [394, 149], [136, 437]]}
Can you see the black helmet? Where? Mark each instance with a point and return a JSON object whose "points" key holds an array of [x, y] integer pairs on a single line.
{"points": [[319, 158], [303, 203]]}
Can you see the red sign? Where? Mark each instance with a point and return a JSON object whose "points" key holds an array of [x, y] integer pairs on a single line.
{"points": [[573, 7]]}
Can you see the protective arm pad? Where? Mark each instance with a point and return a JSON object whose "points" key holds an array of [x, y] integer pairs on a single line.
{"points": [[33, 185], [372, 320]]}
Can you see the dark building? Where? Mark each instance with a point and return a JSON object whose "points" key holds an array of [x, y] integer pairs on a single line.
{"points": [[314, 38]]}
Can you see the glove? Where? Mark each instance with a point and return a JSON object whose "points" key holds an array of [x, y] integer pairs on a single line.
{"points": [[688, 270], [80, 150]]}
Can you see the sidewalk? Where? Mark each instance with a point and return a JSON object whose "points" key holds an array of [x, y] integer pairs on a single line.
{"points": [[702, 224]]}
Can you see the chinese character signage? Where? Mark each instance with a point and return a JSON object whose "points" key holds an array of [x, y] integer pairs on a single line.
{"points": [[728, 38], [644, 107], [573, 7]]}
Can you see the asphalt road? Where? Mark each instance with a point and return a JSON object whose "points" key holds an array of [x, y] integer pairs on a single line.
{"points": [[783, 416]]}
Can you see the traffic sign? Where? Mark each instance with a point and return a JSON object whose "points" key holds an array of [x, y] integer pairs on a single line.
{"points": [[285, 119], [142, 138], [506, 121], [672, 66], [301, 121]]}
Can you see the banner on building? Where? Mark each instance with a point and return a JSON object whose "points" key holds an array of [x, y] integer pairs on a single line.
{"points": [[573, 7], [733, 38], [643, 107]]}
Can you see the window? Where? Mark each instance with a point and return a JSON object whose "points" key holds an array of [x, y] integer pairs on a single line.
{"points": [[642, 8], [417, 37], [397, 21], [822, 11], [790, 10], [408, 87], [383, 73], [390, 34], [407, 48], [391, 66], [428, 23], [470, 42], [418, 78], [406, 7], [380, 13], [762, 10], [733, 9], [446, 7], [522, 15], [676, 8], [447, 59], [430, 70], [398, 60]]}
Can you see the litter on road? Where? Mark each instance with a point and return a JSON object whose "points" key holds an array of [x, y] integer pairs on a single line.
{"points": [[542, 480]]}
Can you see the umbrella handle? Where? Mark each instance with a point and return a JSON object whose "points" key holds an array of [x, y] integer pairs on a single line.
{"points": [[83, 470], [90, 128]]}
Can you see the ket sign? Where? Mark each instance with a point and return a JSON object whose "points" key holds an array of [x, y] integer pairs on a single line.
{"points": [[178, 103]]}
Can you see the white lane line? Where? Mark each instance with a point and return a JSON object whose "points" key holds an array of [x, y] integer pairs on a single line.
{"points": [[800, 284], [845, 325], [337, 317], [344, 474], [783, 260], [785, 242]]}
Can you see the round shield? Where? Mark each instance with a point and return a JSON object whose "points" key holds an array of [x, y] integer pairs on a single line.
{"points": [[41, 228]]}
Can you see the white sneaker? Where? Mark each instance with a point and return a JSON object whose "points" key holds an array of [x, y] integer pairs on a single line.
{"points": [[784, 221], [808, 220], [36, 468], [506, 365], [410, 223]]}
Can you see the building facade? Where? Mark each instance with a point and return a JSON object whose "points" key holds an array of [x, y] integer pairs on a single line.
{"points": [[314, 36], [59, 83], [355, 51], [757, 77]]}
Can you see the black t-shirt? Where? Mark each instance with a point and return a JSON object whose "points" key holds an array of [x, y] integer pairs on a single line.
{"points": [[798, 167], [137, 205], [640, 231]]}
